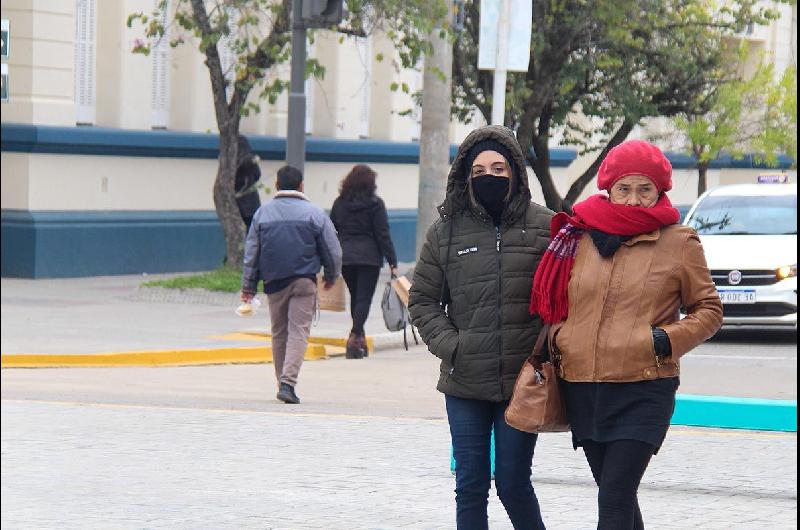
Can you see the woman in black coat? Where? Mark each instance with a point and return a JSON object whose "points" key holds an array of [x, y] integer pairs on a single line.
{"points": [[361, 220]]}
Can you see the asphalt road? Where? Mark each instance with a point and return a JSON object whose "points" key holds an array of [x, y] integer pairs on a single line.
{"points": [[743, 363]]}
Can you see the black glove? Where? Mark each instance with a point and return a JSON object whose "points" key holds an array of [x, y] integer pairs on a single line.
{"points": [[661, 343]]}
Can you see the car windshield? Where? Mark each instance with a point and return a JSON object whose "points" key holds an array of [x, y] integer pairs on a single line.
{"points": [[755, 215]]}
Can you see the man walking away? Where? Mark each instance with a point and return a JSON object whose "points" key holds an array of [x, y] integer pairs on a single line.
{"points": [[289, 240]]}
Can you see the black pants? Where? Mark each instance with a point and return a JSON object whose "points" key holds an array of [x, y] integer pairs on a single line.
{"points": [[618, 468], [361, 281]]}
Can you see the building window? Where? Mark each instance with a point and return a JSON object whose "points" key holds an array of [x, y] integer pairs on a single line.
{"points": [[85, 61], [364, 46], [159, 97]]}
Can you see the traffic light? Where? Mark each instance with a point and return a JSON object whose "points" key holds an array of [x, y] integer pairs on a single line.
{"points": [[322, 13]]}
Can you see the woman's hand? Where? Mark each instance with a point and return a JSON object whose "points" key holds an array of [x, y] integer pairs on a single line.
{"points": [[393, 271]]}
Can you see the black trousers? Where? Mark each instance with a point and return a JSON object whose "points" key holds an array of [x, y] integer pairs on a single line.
{"points": [[361, 281], [618, 468]]}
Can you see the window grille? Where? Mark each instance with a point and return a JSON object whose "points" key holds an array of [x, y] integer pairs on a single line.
{"points": [[159, 97], [85, 61]]}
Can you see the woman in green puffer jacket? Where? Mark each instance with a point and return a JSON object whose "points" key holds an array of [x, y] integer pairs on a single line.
{"points": [[469, 299]]}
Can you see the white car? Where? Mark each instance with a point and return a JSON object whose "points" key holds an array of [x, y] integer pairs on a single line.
{"points": [[749, 234]]}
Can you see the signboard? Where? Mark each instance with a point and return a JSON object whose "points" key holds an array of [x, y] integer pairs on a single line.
{"points": [[4, 83], [773, 178], [519, 34], [4, 34]]}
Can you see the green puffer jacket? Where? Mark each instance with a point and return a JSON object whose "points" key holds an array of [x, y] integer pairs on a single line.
{"points": [[484, 332]]}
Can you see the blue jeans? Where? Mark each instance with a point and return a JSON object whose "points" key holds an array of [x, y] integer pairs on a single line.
{"points": [[471, 422]]}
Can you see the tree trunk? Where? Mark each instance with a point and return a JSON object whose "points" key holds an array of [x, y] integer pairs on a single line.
{"points": [[552, 199], [581, 182], [702, 175], [225, 199], [538, 156], [228, 116], [434, 141]]}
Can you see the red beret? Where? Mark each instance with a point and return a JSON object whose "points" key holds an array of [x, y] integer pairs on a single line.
{"points": [[635, 157]]}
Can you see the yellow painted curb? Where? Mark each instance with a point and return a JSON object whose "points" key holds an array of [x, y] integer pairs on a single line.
{"points": [[328, 341], [250, 354], [244, 337], [335, 351]]}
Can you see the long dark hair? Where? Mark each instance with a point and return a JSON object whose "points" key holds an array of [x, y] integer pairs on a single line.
{"points": [[359, 183]]}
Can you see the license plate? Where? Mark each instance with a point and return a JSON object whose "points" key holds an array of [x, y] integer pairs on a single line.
{"points": [[737, 297]]}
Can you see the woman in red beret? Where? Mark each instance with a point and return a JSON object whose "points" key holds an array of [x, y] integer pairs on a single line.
{"points": [[612, 284]]}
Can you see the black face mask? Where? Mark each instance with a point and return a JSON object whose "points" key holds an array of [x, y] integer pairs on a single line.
{"points": [[491, 192]]}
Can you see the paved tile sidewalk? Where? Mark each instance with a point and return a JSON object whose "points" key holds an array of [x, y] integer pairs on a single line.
{"points": [[91, 466]]}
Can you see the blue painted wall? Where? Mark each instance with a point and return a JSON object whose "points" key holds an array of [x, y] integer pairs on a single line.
{"points": [[73, 244], [70, 244]]}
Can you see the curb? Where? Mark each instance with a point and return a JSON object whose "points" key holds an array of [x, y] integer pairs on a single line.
{"points": [[735, 413], [318, 348], [187, 357], [165, 295], [324, 341]]}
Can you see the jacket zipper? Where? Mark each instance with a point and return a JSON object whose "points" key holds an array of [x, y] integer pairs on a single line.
{"points": [[499, 309]]}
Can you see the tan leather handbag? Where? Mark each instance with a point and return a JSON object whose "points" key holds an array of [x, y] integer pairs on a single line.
{"points": [[537, 404]]}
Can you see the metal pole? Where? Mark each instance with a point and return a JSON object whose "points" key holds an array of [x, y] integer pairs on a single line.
{"points": [[296, 133], [499, 89]]}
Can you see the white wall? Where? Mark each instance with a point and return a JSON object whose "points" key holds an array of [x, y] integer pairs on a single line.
{"points": [[78, 182]]}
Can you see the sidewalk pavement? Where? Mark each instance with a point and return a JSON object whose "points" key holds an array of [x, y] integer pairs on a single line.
{"points": [[113, 314], [70, 465]]}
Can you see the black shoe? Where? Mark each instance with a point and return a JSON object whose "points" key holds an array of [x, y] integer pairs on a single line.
{"points": [[363, 346], [287, 395], [353, 347]]}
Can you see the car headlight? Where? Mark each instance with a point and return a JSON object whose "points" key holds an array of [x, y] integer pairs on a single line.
{"points": [[789, 271]]}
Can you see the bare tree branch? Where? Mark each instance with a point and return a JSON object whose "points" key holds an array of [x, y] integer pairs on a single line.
{"points": [[577, 187]]}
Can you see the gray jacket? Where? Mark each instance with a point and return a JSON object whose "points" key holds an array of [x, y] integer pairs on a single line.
{"points": [[290, 236]]}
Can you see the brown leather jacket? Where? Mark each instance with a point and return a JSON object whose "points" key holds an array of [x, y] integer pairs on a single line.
{"points": [[614, 303]]}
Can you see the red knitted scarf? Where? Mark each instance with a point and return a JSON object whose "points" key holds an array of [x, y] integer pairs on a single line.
{"points": [[550, 282]]}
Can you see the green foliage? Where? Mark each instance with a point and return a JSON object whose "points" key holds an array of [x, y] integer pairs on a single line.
{"points": [[780, 119], [407, 24], [757, 114], [598, 67], [224, 279], [239, 26]]}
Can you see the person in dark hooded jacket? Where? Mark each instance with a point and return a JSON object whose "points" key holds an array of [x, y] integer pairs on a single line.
{"points": [[362, 223], [248, 173], [469, 299]]}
